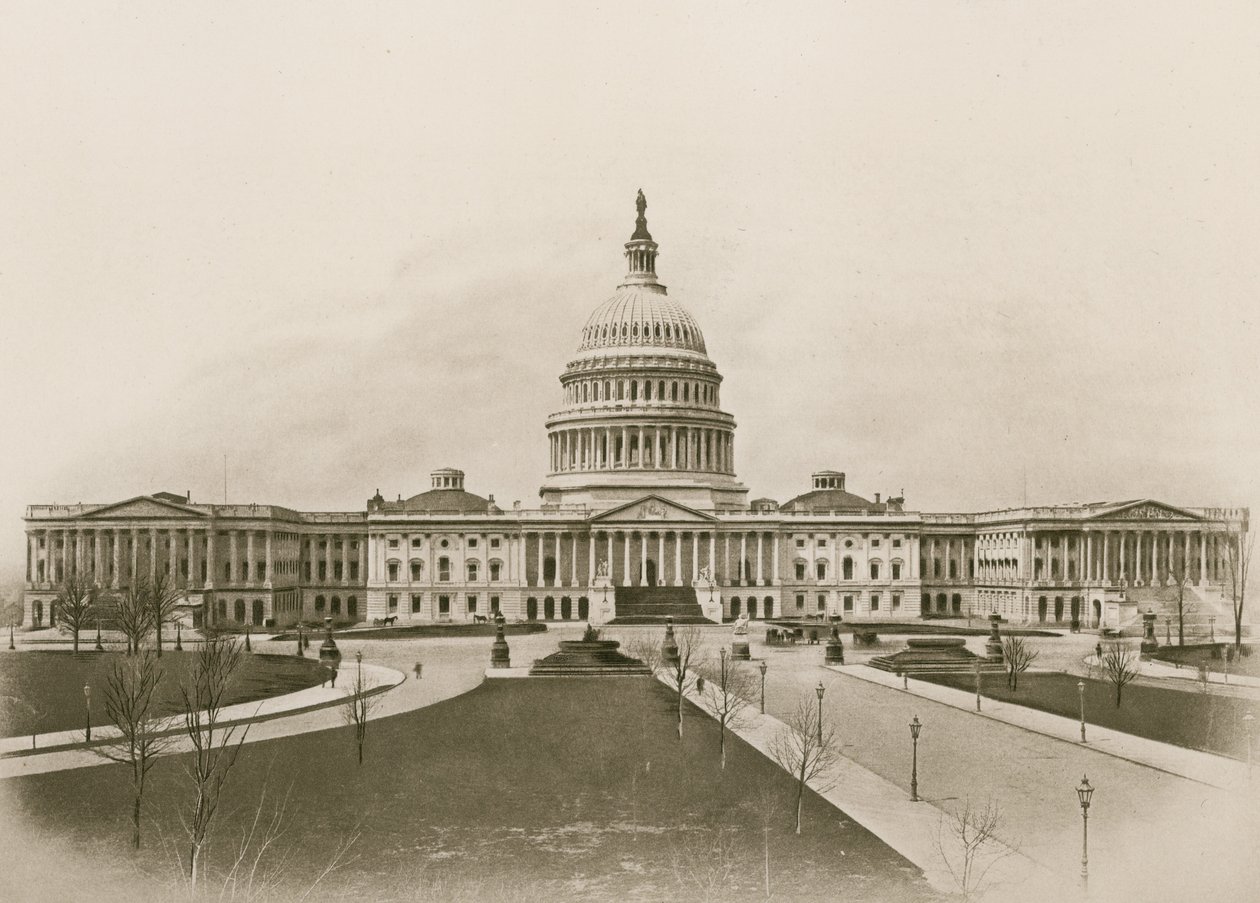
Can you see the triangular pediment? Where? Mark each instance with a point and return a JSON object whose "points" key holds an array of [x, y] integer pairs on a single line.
{"points": [[652, 508], [145, 506], [1146, 509]]}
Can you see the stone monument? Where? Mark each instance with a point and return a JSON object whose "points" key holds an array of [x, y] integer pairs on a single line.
{"points": [[499, 654], [329, 654]]}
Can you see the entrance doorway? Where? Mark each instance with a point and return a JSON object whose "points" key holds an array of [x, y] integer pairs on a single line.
{"points": [[651, 572], [531, 609]]}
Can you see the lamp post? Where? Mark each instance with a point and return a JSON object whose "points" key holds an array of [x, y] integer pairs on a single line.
{"points": [[1248, 719], [915, 727], [99, 647], [87, 710], [1083, 793], [977, 684], [1168, 630], [1212, 627], [763, 686], [1080, 690], [358, 660], [820, 690]]}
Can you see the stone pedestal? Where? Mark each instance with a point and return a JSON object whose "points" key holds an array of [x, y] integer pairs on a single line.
{"points": [[329, 654], [739, 649], [499, 654], [993, 647], [1149, 643], [834, 654], [669, 646]]}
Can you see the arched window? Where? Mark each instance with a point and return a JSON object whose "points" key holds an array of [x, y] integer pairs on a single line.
{"points": [[319, 603], [258, 612], [240, 611], [956, 602], [584, 608], [549, 608], [660, 390], [848, 568], [673, 391], [472, 567], [686, 391], [566, 608], [352, 607], [221, 609], [647, 391], [531, 609]]}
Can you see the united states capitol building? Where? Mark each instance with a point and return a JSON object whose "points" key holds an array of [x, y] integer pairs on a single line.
{"points": [[642, 514]]}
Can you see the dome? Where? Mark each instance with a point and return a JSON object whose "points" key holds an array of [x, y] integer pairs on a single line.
{"points": [[641, 316]]}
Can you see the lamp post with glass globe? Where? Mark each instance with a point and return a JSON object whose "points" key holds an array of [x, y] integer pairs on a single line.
{"points": [[915, 727], [762, 668], [87, 709], [1083, 793], [1080, 690], [820, 689]]}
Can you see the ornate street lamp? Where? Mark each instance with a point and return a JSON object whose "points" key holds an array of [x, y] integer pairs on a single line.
{"points": [[1212, 627], [915, 727], [1248, 719], [1080, 690], [763, 686], [358, 659], [977, 684], [87, 709], [820, 690], [1083, 793]]}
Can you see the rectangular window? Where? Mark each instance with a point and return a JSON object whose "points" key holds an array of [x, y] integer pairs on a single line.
{"points": [[874, 543], [472, 542], [306, 570], [393, 543], [896, 601], [800, 543], [896, 570], [444, 569], [494, 542], [393, 602], [494, 570], [336, 570], [494, 604], [822, 543], [896, 543], [354, 570], [444, 605], [800, 600], [800, 570], [417, 601], [415, 571], [822, 601], [822, 570], [323, 570], [227, 571], [392, 568], [848, 603], [874, 601], [415, 542], [472, 603]]}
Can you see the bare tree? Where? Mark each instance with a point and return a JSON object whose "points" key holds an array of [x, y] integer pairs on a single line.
{"points": [[804, 751], [76, 604], [1018, 656], [966, 840], [214, 747], [132, 614], [647, 649], [1120, 666], [13, 707], [1180, 573], [358, 708], [690, 652], [728, 691], [766, 802], [706, 862], [131, 708], [164, 598], [1238, 548]]}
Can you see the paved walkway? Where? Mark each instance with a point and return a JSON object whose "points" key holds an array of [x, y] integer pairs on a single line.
{"points": [[450, 667]]}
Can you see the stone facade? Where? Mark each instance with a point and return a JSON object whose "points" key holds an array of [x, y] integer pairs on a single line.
{"points": [[640, 490]]}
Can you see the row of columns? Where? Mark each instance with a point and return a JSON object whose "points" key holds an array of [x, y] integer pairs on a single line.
{"points": [[191, 556], [598, 391], [643, 447]]}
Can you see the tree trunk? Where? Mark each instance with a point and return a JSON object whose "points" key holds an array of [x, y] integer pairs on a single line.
{"points": [[76, 639], [159, 639], [722, 744], [765, 832], [680, 701], [135, 820], [800, 793]]}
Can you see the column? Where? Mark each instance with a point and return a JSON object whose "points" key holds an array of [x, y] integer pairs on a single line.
{"points": [[1185, 557], [211, 563], [712, 551], [726, 557], [192, 563], [1089, 557], [590, 556], [117, 557], [1137, 556], [695, 557], [774, 565], [1124, 572], [97, 564], [345, 559], [678, 544], [135, 555], [251, 567], [643, 544], [153, 553], [573, 581], [1202, 558], [743, 556], [269, 567], [625, 558], [660, 558], [760, 556]]}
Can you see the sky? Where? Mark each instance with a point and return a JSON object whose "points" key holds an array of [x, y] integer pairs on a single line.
{"points": [[976, 252]]}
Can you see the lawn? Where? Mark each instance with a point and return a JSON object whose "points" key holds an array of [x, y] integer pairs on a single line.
{"points": [[561, 789], [1187, 718], [1212, 655], [53, 683]]}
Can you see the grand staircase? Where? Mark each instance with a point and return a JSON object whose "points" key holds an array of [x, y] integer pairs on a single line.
{"points": [[653, 604], [1201, 603]]}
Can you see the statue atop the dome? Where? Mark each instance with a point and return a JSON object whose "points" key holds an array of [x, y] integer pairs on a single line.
{"points": [[640, 224]]}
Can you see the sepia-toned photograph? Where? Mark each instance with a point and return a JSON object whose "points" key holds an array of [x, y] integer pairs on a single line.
{"points": [[494, 453]]}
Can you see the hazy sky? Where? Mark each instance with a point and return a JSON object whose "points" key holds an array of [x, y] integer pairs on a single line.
{"points": [[934, 245]]}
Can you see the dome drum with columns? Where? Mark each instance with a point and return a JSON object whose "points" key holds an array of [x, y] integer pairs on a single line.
{"points": [[642, 400]]}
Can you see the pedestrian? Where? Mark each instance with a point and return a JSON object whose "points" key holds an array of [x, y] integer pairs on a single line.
{"points": [[1098, 651], [334, 678], [418, 668]]}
